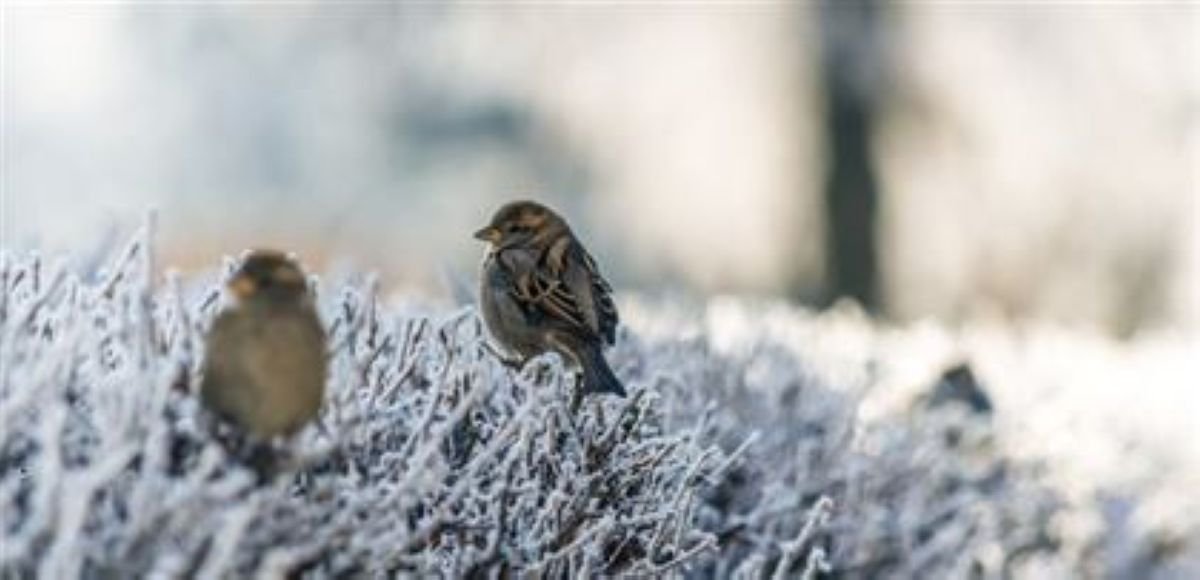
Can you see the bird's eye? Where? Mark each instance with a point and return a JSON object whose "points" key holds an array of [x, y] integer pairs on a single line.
{"points": [[515, 228]]}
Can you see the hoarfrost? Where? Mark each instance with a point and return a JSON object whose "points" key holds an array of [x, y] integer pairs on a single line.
{"points": [[431, 457]]}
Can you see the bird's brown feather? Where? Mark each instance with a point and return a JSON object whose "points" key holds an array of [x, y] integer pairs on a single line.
{"points": [[540, 291], [566, 286]]}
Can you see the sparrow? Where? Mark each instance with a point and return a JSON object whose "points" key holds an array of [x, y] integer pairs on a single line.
{"points": [[265, 365], [540, 291]]}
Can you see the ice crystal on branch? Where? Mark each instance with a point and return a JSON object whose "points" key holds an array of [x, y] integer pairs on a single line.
{"points": [[431, 457]]}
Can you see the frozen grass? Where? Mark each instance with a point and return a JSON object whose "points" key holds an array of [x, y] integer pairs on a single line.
{"points": [[748, 448]]}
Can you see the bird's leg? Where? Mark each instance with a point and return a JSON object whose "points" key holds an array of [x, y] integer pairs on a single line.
{"points": [[577, 394], [264, 459]]}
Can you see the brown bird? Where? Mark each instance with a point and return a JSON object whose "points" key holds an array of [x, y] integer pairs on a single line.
{"points": [[266, 360], [541, 291]]}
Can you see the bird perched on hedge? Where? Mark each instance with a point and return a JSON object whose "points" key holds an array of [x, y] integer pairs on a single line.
{"points": [[266, 358], [541, 291]]}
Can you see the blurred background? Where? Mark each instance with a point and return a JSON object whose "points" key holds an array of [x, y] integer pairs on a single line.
{"points": [[930, 160]]}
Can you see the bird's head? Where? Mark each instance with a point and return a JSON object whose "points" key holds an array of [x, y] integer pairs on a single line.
{"points": [[269, 275], [522, 224]]}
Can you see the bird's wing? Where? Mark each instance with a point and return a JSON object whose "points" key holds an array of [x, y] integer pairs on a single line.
{"points": [[567, 286], [224, 372], [606, 310]]}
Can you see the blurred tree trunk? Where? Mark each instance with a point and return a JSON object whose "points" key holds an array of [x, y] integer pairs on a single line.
{"points": [[852, 68]]}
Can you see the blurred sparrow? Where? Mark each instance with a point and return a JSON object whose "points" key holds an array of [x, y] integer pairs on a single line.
{"points": [[265, 366], [540, 291]]}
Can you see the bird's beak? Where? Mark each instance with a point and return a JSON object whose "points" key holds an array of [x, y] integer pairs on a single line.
{"points": [[488, 234]]}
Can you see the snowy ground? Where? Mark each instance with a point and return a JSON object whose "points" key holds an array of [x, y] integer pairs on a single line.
{"points": [[759, 440]]}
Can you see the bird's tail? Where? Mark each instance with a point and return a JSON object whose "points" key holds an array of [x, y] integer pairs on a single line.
{"points": [[598, 377]]}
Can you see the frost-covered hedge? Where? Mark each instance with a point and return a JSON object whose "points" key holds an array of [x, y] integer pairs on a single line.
{"points": [[433, 458]]}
